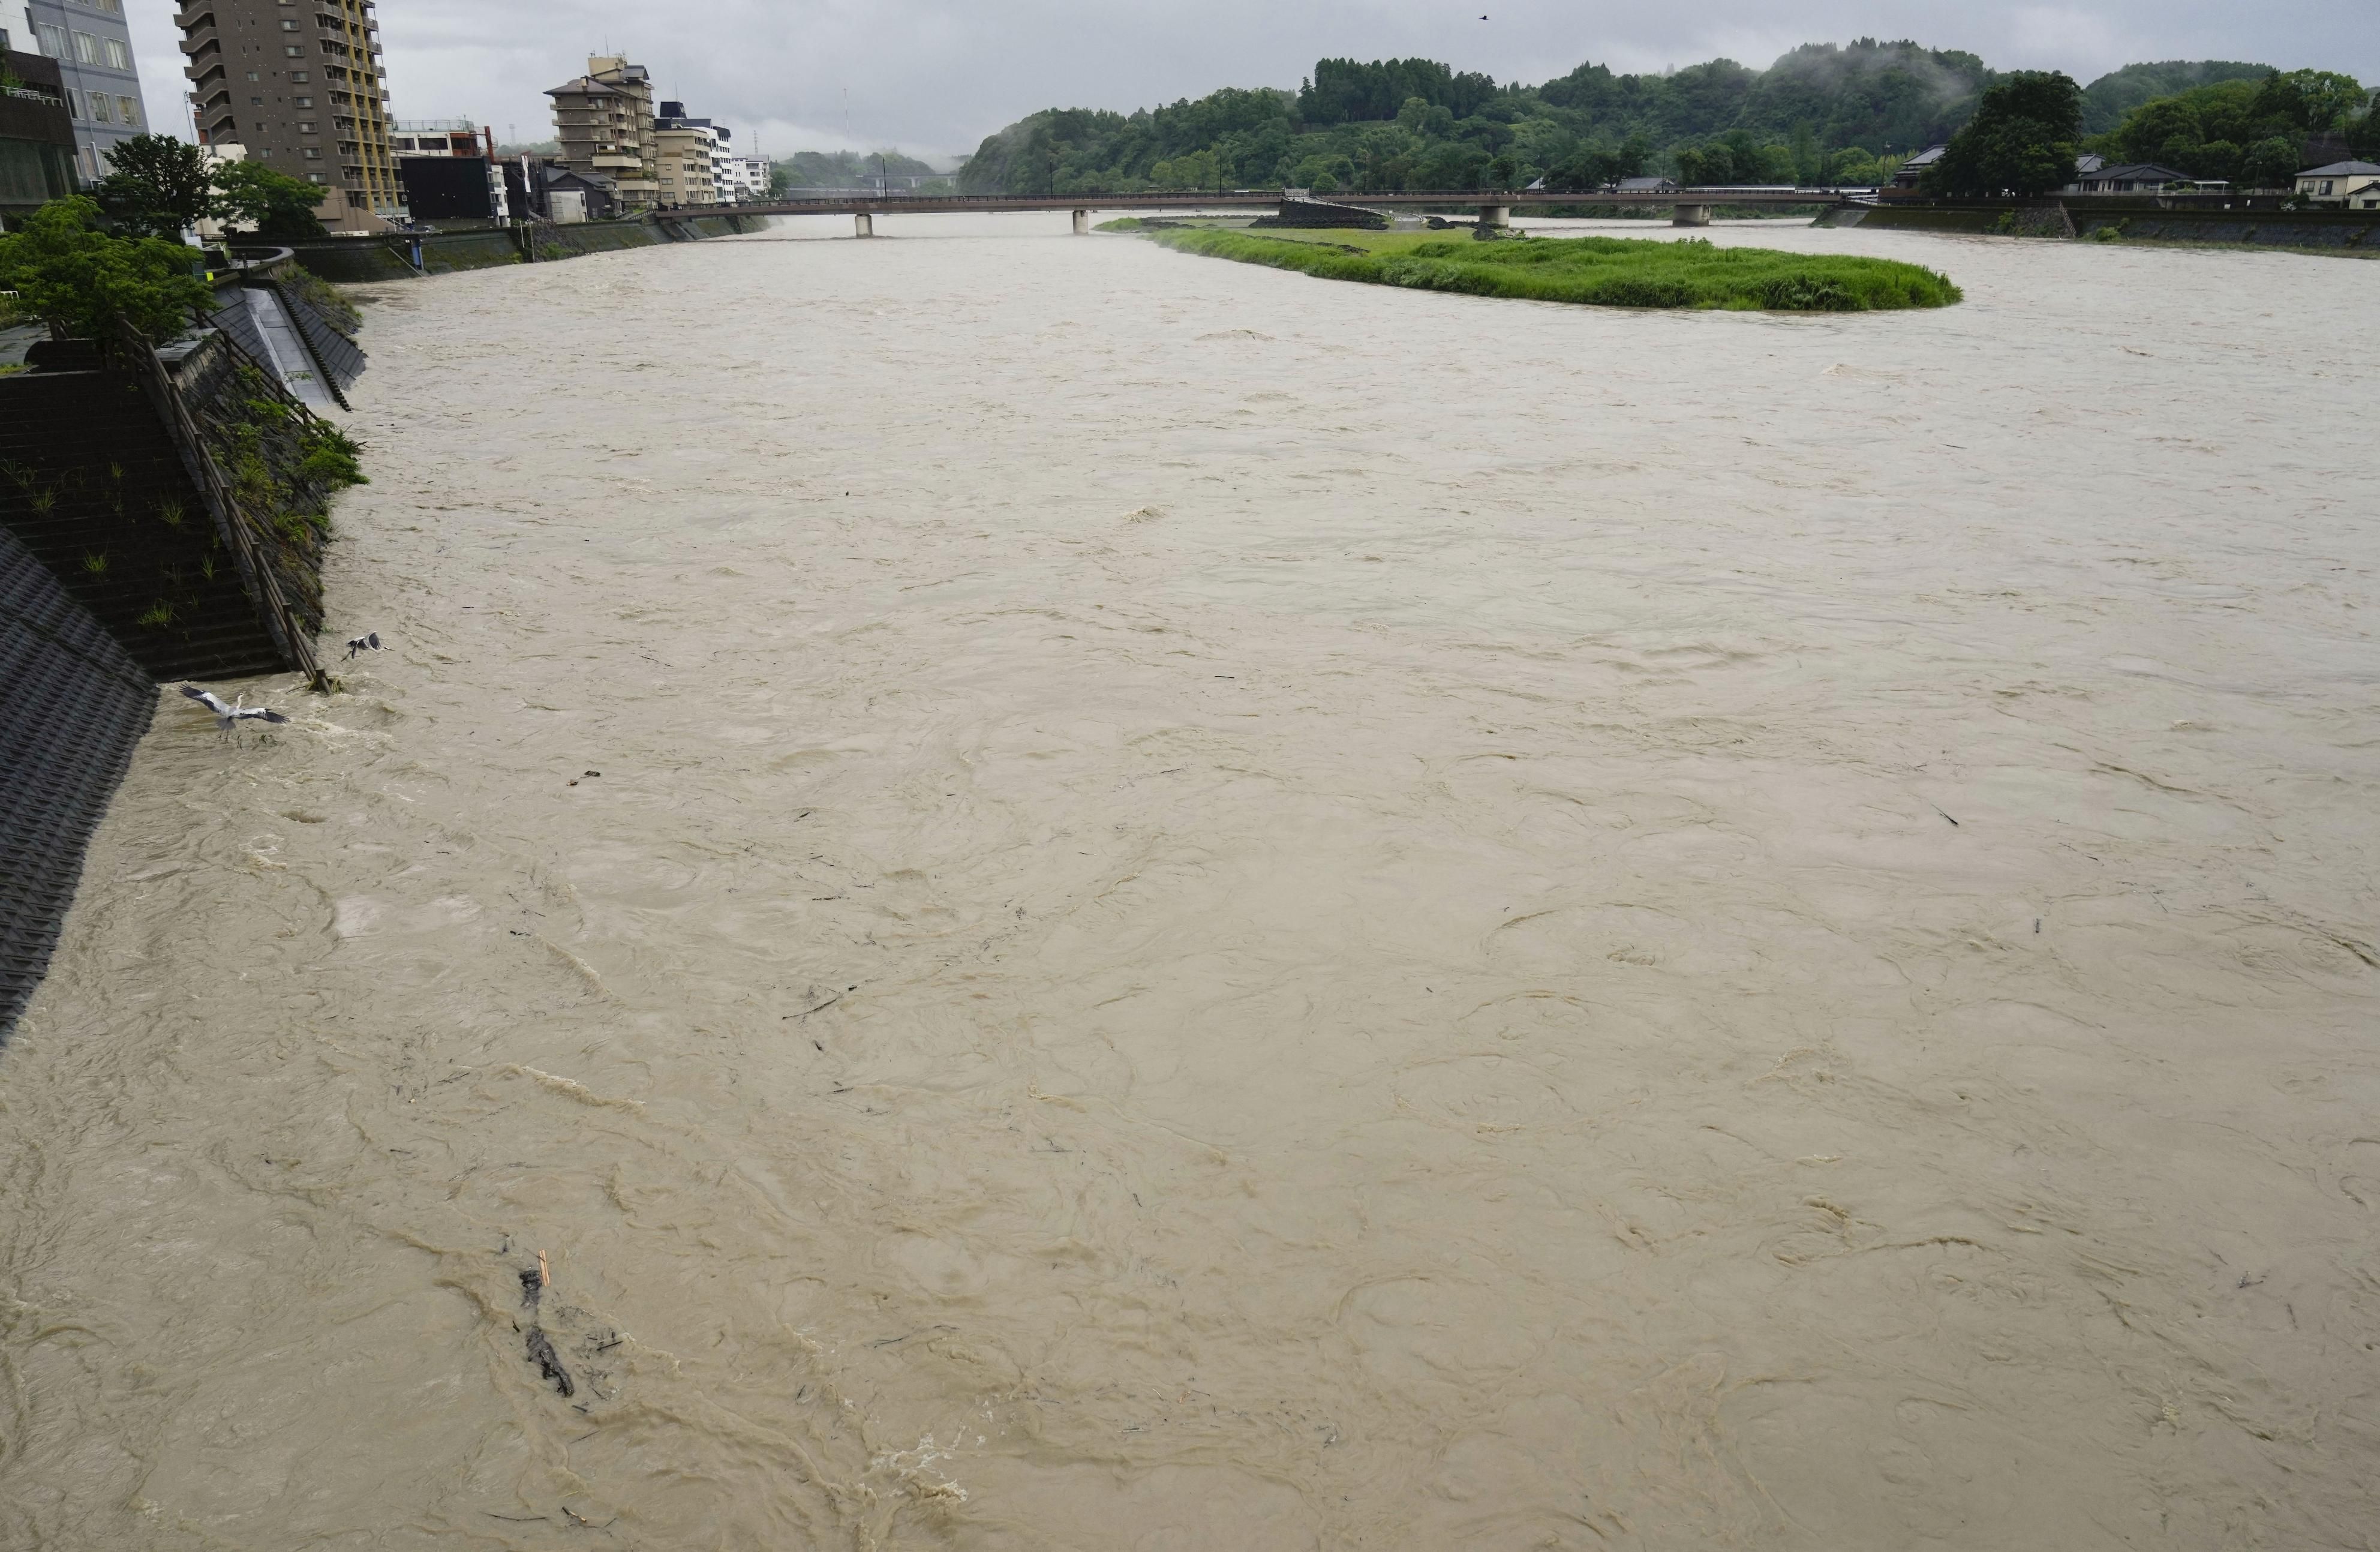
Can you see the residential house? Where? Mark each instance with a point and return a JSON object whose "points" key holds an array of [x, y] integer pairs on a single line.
{"points": [[1912, 170], [2126, 178], [93, 48], [604, 122], [2345, 184], [37, 137], [572, 197], [1643, 186], [302, 89]]}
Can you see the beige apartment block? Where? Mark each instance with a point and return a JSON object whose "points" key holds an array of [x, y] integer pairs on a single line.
{"points": [[604, 122], [690, 156], [299, 83]]}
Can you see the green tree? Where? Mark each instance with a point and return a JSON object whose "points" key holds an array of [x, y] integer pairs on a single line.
{"points": [[158, 186], [2021, 141], [2270, 164], [79, 280], [2309, 100], [2148, 129], [2363, 134], [277, 207]]}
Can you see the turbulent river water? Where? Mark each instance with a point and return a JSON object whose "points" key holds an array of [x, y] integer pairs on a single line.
{"points": [[1230, 911]]}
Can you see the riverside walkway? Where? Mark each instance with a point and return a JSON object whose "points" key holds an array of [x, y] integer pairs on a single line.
{"points": [[1691, 207]]}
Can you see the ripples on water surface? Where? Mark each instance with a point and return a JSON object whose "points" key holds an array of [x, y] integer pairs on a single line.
{"points": [[1228, 911]]}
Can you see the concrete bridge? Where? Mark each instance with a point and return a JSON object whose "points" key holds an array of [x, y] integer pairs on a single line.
{"points": [[1689, 207]]}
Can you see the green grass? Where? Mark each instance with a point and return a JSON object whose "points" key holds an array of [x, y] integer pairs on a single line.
{"points": [[1596, 271]]}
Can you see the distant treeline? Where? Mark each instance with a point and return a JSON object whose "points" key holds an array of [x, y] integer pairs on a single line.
{"points": [[2255, 130], [1822, 114], [1347, 91]]}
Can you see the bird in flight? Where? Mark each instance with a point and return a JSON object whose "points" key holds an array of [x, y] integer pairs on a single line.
{"points": [[231, 716], [364, 643]]}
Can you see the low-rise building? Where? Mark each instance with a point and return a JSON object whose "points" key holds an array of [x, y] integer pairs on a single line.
{"points": [[37, 135], [2345, 184], [604, 122], [1914, 170], [91, 45], [743, 178], [440, 137], [572, 197]]}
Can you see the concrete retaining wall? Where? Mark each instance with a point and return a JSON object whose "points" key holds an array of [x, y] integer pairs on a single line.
{"points": [[389, 258]]}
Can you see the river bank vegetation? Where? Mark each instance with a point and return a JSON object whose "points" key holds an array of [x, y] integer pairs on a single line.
{"points": [[1596, 271], [1822, 114]]}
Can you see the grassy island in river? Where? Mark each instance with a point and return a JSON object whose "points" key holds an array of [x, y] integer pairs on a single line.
{"points": [[1598, 271]]}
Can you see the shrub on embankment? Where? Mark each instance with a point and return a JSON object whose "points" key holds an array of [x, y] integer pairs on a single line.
{"points": [[1603, 271]]}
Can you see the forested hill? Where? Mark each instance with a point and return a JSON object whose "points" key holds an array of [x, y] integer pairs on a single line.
{"points": [[1822, 113], [2108, 99]]}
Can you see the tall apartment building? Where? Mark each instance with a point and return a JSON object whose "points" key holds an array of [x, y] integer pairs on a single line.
{"points": [[604, 120], [93, 50], [299, 83]]}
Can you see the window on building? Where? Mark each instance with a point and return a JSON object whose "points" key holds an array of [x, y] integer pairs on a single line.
{"points": [[118, 57], [74, 106], [254, 76], [296, 75], [313, 154], [86, 49], [303, 102], [289, 27], [52, 38], [292, 51], [128, 111], [101, 112]]}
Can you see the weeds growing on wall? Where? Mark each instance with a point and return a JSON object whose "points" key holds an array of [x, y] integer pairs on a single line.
{"points": [[283, 466], [1601, 272]]}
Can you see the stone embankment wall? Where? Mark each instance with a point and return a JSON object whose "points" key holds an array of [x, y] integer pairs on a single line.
{"points": [[78, 703], [94, 486], [2135, 220]]}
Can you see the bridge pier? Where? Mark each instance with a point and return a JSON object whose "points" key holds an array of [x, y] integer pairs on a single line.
{"points": [[1082, 222], [862, 224], [1691, 215], [1499, 216]]}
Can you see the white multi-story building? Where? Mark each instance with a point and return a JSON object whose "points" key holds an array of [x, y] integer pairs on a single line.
{"points": [[93, 48], [743, 178]]}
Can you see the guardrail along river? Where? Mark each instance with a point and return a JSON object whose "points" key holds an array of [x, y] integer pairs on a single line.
{"points": [[1222, 911]]}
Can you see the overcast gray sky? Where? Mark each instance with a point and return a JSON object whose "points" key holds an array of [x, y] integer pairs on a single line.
{"points": [[936, 75]]}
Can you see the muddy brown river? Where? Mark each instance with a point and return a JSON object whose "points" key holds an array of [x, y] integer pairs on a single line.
{"points": [[1228, 911]]}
